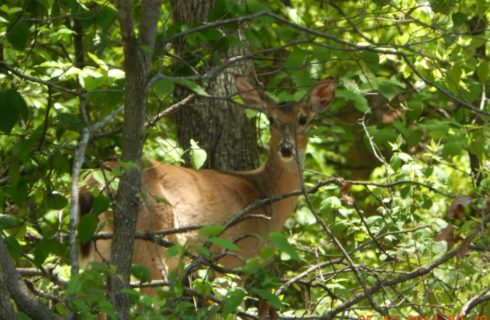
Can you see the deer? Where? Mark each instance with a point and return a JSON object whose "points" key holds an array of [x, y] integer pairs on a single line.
{"points": [[177, 197]]}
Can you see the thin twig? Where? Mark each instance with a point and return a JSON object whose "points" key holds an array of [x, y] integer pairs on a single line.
{"points": [[214, 24], [78, 161], [40, 81], [414, 274]]}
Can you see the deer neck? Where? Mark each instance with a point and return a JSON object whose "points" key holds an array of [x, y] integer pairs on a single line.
{"points": [[279, 177]]}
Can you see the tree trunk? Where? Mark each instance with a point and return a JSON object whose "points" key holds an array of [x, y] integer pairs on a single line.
{"points": [[218, 126], [137, 57], [7, 311]]}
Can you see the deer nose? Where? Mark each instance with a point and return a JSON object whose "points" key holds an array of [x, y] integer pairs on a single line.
{"points": [[286, 148]]}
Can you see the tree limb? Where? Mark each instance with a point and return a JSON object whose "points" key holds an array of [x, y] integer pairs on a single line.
{"points": [[476, 300], [18, 290]]}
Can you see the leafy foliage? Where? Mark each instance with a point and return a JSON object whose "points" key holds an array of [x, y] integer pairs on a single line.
{"points": [[408, 133]]}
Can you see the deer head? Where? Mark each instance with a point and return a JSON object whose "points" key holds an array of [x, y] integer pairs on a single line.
{"points": [[289, 122]]}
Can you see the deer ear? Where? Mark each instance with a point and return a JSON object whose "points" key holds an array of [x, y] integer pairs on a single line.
{"points": [[322, 94], [253, 98]]}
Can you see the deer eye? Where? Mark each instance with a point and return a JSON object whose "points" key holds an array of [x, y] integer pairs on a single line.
{"points": [[301, 120], [271, 120]]}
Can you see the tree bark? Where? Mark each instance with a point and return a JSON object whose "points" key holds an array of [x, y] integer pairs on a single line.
{"points": [[7, 311], [11, 280], [137, 58], [219, 127]]}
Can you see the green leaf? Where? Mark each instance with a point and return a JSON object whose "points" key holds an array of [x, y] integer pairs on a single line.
{"points": [[198, 155], [389, 88], [74, 285], [19, 194], [87, 227], [141, 273], [19, 34], [218, 11], [255, 6], [101, 63], [204, 251], [41, 252], [282, 244], [453, 78], [232, 301], [164, 87], [212, 35], [222, 243], [442, 6], [56, 201], [105, 17], [175, 250], [477, 147], [358, 99], [101, 204], [395, 162], [321, 53], [193, 86], [212, 230], [91, 79], [371, 58], [483, 70], [8, 222], [25, 148], [252, 38], [295, 59], [472, 91], [69, 121], [458, 18], [405, 157], [234, 7], [14, 247], [12, 107], [271, 299], [454, 146]]}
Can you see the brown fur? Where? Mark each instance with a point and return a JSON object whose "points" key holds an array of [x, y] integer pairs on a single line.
{"points": [[180, 197], [85, 200]]}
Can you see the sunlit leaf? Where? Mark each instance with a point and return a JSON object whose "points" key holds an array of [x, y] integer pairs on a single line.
{"points": [[282, 244], [358, 99], [271, 299], [193, 86], [212, 230], [224, 244], [232, 301]]}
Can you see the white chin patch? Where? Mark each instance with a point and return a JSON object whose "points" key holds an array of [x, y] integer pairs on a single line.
{"points": [[284, 159]]}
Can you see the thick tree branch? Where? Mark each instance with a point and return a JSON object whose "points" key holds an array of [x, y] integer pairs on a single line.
{"points": [[475, 301], [19, 292], [7, 311]]}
